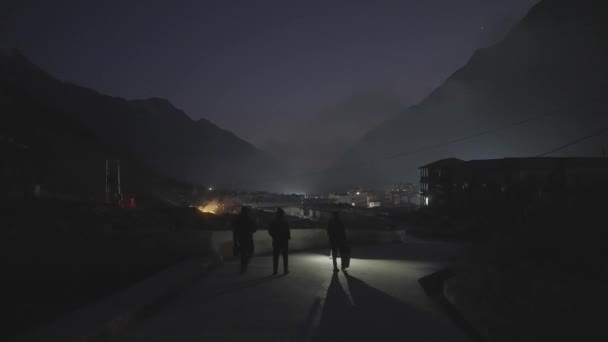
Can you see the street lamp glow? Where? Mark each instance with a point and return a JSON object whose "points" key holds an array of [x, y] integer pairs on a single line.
{"points": [[210, 188], [358, 193]]}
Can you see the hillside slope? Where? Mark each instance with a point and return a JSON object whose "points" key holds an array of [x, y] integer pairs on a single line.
{"points": [[152, 130], [549, 71]]}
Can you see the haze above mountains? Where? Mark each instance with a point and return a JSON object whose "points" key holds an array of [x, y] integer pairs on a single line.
{"points": [[548, 72], [315, 143]]}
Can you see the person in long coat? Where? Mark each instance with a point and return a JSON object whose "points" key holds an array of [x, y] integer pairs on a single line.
{"points": [[337, 238], [242, 233], [279, 230]]}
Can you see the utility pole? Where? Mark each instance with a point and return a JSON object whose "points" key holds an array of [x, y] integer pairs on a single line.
{"points": [[107, 200], [113, 186], [118, 169]]}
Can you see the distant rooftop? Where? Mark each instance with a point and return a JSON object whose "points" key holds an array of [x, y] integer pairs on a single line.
{"points": [[443, 162], [528, 161]]}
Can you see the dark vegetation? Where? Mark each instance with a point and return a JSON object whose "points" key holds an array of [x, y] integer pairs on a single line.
{"points": [[429, 224], [536, 275], [60, 255], [540, 280]]}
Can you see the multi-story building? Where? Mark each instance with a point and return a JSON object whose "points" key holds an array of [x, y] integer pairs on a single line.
{"points": [[359, 198], [402, 195], [340, 198], [514, 182], [436, 179]]}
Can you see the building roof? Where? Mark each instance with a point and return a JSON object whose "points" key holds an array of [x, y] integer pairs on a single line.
{"points": [[541, 162], [526, 162], [443, 162]]}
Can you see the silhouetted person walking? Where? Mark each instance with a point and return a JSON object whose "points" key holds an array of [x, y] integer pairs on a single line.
{"points": [[337, 239], [243, 230], [279, 230]]}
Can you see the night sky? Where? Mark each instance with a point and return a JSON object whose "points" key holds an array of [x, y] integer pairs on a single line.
{"points": [[254, 66]]}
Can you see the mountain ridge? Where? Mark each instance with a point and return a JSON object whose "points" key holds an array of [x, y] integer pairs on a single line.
{"points": [[551, 61], [153, 129]]}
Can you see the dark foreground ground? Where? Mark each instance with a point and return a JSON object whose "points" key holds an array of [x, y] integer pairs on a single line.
{"points": [[378, 299], [544, 279], [57, 256]]}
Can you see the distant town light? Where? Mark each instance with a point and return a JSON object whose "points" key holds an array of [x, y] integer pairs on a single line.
{"points": [[374, 204], [210, 188], [358, 193]]}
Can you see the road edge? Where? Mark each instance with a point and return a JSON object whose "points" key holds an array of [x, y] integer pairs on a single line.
{"points": [[313, 320], [105, 319], [434, 287]]}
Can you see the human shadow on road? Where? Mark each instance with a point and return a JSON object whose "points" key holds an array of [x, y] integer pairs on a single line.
{"points": [[410, 251], [374, 315], [245, 284]]}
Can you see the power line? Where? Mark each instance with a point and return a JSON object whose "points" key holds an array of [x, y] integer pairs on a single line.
{"points": [[472, 136], [496, 129], [424, 148], [574, 142]]}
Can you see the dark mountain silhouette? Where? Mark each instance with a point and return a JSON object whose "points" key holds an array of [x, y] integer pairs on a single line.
{"points": [[152, 131], [550, 67]]}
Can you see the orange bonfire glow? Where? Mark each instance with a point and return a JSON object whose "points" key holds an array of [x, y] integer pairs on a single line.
{"points": [[212, 207]]}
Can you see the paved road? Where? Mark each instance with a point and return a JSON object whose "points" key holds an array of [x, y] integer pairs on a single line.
{"points": [[379, 299]]}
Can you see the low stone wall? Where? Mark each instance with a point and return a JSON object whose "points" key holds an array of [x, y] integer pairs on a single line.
{"points": [[376, 236], [220, 242]]}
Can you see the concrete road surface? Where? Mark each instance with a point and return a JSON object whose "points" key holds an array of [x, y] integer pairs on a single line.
{"points": [[378, 299]]}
